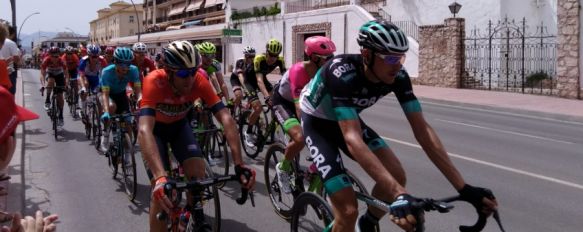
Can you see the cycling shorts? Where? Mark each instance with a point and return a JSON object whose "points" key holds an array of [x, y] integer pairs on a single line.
{"points": [[59, 81], [324, 140], [285, 111], [73, 74], [121, 102]]}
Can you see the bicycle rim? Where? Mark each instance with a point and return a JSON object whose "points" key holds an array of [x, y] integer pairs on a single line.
{"points": [[129, 167], [282, 203], [310, 213]]}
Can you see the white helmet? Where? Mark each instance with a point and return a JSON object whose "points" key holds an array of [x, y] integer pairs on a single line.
{"points": [[139, 47], [181, 55]]}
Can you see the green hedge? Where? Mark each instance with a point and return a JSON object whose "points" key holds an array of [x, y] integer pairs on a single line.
{"points": [[535, 79], [256, 12]]}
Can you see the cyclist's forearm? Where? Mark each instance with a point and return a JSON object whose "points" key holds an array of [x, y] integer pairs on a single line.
{"points": [[262, 85], [436, 152], [150, 152], [105, 100]]}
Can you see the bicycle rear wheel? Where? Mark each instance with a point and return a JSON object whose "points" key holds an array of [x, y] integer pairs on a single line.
{"points": [[54, 113], [251, 150], [282, 203], [311, 213], [217, 155], [95, 126], [129, 167]]}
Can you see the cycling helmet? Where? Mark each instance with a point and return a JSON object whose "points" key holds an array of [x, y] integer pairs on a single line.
{"points": [[320, 45], [69, 49], [181, 55], [123, 54], [93, 49], [249, 50], [274, 46], [139, 47], [109, 50], [158, 57], [206, 48], [382, 36], [54, 50]]}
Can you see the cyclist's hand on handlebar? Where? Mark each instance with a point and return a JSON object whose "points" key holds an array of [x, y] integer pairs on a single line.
{"points": [[246, 176], [403, 212], [481, 198], [159, 194], [105, 116]]}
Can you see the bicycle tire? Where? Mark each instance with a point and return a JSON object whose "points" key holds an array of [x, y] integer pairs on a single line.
{"points": [[210, 194], [321, 208], [219, 155], [54, 112], [95, 127], [282, 203], [251, 152], [129, 169]]}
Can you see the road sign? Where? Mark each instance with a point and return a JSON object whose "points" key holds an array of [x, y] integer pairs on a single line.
{"points": [[232, 32], [233, 40]]}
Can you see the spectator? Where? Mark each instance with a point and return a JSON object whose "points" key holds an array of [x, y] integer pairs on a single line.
{"points": [[11, 116], [4, 79], [11, 54]]}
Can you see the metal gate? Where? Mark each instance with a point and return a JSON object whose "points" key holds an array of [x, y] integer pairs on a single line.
{"points": [[507, 59]]}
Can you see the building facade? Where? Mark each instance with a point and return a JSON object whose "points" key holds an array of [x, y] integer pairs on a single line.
{"points": [[119, 20]]}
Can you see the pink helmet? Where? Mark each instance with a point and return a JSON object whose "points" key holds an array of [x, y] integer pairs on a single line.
{"points": [[320, 45]]}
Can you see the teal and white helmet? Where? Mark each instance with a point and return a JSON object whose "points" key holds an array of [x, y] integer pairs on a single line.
{"points": [[382, 36]]}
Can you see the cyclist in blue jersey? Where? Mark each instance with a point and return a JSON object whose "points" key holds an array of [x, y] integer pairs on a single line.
{"points": [[114, 80], [331, 103], [89, 71]]}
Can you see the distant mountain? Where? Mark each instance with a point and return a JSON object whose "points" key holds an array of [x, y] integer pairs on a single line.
{"points": [[25, 39]]}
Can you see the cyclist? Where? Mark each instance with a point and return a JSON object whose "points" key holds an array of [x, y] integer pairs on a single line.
{"points": [[167, 97], [109, 55], [286, 95], [213, 68], [263, 64], [90, 71], [72, 61], [83, 52], [56, 70], [243, 68], [330, 106], [144, 64], [114, 80], [158, 60]]}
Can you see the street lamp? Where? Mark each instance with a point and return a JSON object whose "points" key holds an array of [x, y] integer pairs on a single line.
{"points": [[454, 8], [137, 19], [20, 29], [74, 34]]}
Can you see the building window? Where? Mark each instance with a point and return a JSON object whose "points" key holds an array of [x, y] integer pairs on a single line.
{"points": [[131, 31], [131, 19]]}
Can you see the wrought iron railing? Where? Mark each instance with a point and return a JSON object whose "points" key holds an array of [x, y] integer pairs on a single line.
{"points": [[306, 5], [506, 58], [410, 28]]}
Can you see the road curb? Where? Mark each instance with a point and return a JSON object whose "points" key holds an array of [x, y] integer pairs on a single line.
{"points": [[560, 117]]}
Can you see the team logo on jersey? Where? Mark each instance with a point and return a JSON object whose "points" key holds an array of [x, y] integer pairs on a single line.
{"points": [[364, 102], [341, 69], [319, 159]]}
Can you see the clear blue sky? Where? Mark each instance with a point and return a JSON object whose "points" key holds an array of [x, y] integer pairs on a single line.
{"points": [[55, 15]]}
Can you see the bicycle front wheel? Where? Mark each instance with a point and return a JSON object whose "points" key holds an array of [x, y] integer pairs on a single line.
{"points": [[311, 213], [129, 167], [282, 202], [211, 205], [218, 156], [54, 113]]}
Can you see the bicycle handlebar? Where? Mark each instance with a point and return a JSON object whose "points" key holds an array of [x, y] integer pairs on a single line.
{"points": [[195, 185]]}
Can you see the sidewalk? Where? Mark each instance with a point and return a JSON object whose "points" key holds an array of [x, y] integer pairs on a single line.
{"points": [[526, 104]]}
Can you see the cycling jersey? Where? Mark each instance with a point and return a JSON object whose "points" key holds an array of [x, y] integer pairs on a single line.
{"points": [[340, 91], [260, 65], [92, 71], [53, 66], [72, 61], [145, 67], [168, 107], [293, 81], [115, 85], [244, 68], [214, 67]]}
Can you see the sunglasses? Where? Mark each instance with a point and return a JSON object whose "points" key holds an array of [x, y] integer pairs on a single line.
{"points": [[209, 56], [185, 73], [391, 59], [326, 58], [250, 56], [123, 65], [272, 55]]}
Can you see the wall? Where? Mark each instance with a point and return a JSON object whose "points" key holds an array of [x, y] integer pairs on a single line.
{"points": [[568, 50], [345, 22], [441, 54]]}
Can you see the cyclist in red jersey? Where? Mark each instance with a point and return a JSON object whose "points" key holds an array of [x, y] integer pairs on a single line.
{"points": [[109, 55], [72, 61], [168, 95], [54, 72], [144, 64]]}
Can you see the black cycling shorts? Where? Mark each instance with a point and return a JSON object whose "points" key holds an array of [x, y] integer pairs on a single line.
{"points": [[59, 81], [324, 140], [121, 101], [178, 135], [284, 110]]}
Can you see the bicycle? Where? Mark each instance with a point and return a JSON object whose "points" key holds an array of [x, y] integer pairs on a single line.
{"points": [[323, 212], [72, 98], [302, 179], [53, 111], [197, 217], [212, 142], [267, 132], [122, 151], [92, 120]]}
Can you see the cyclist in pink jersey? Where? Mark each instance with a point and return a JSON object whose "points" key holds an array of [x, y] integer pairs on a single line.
{"points": [[286, 95]]}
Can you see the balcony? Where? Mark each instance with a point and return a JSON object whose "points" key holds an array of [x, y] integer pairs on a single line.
{"points": [[299, 6]]}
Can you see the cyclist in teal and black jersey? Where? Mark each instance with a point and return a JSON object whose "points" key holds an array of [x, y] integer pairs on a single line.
{"points": [[330, 106]]}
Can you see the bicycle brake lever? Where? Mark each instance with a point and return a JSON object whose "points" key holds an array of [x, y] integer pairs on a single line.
{"points": [[496, 217], [252, 198]]}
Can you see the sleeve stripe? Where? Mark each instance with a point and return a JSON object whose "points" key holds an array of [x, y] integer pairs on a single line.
{"points": [[411, 106]]}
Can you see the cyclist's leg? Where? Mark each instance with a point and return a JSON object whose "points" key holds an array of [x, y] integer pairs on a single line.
{"points": [[255, 103], [323, 139], [49, 88], [236, 84], [60, 82], [380, 148], [284, 112]]}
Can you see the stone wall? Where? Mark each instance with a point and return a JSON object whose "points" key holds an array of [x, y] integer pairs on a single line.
{"points": [[568, 49], [441, 54]]}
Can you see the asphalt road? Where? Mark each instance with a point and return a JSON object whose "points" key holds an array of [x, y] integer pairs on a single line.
{"points": [[533, 165]]}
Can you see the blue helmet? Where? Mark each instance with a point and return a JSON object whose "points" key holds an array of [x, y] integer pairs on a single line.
{"points": [[93, 49], [123, 54]]}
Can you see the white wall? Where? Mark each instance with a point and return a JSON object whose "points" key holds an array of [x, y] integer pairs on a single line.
{"points": [[345, 22]]}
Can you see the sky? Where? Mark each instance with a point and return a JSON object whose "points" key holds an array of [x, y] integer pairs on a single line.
{"points": [[55, 15]]}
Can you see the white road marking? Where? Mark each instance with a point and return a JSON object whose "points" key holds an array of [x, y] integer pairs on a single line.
{"points": [[504, 131], [514, 170]]}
